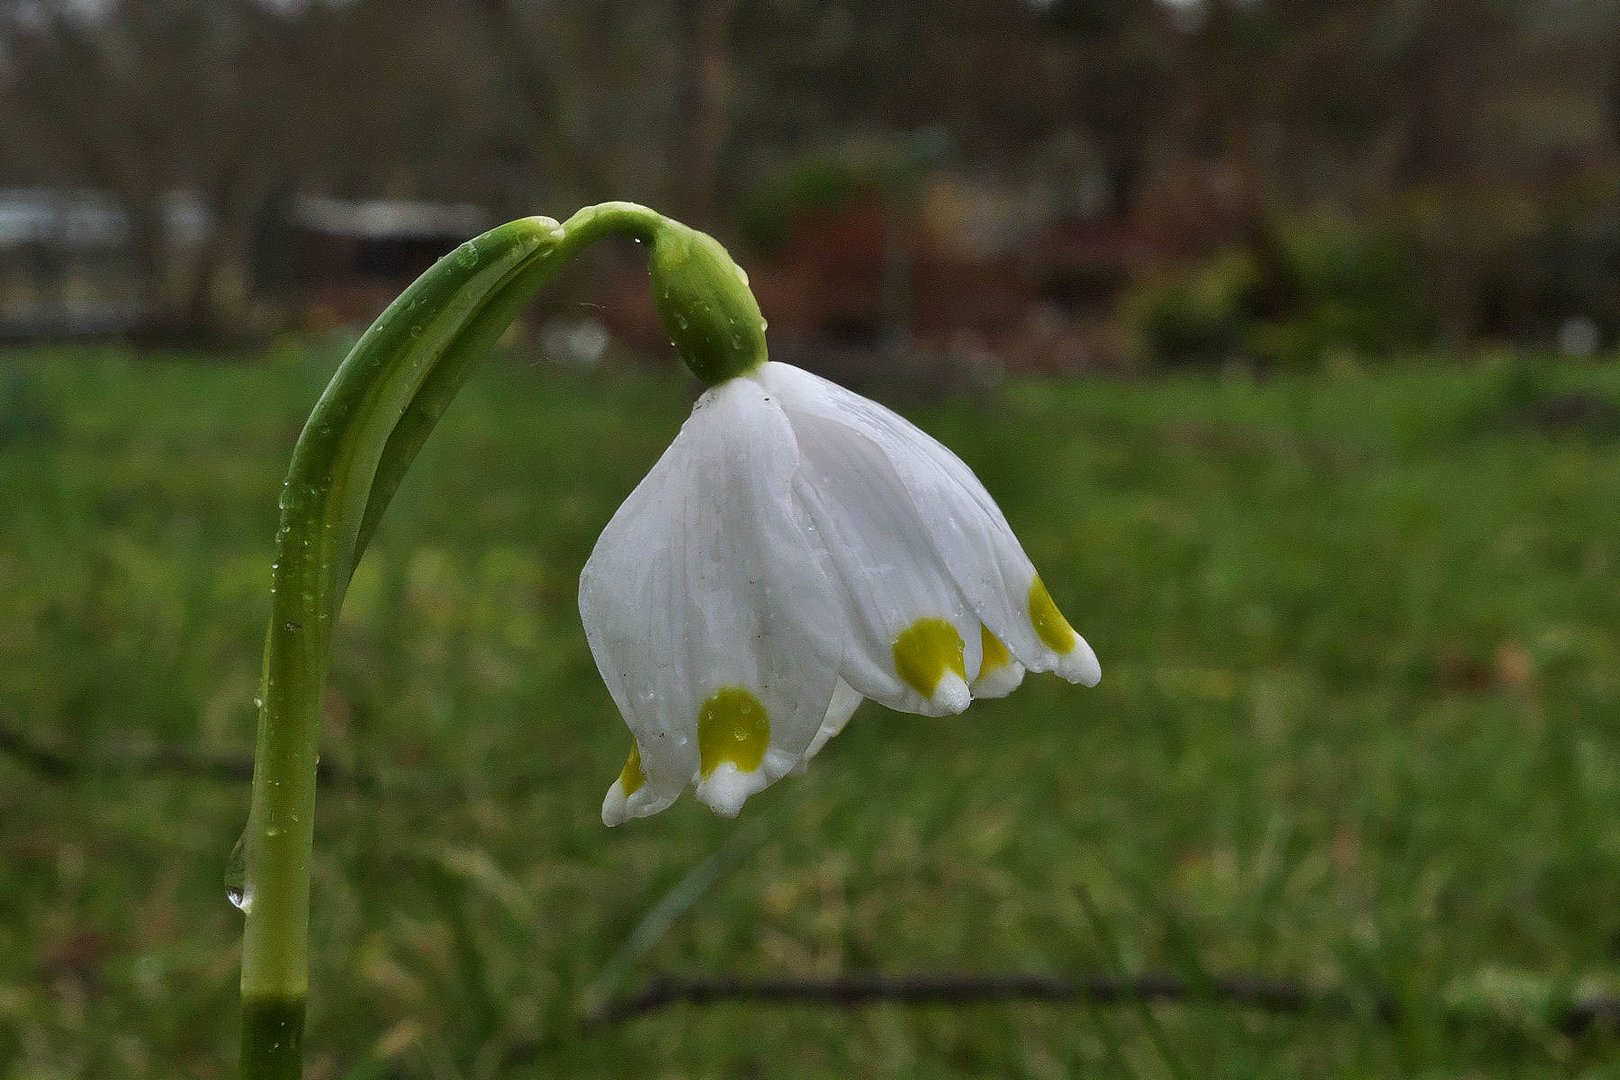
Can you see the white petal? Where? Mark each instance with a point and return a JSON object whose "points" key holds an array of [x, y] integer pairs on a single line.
{"points": [[999, 681], [726, 788], [844, 703], [615, 805], [892, 579], [704, 580], [964, 527]]}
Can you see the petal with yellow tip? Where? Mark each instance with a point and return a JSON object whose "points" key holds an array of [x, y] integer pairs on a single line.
{"points": [[999, 674], [946, 517], [705, 580]]}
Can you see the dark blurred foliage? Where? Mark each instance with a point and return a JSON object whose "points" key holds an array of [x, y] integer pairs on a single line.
{"points": [[1352, 291], [1103, 156]]}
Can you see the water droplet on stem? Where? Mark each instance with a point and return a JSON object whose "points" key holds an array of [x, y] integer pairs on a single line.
{"points": [[236, 872]]}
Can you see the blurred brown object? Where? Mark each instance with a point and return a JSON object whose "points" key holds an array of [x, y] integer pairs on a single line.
{"points": [[75, 962]]}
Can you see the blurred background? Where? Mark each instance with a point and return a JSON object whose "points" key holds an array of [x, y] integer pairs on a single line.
{"points": [[1283, 331], [1052, 186]]}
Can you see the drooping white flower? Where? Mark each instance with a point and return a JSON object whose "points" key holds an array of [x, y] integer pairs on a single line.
{"points": [[797, 549]]}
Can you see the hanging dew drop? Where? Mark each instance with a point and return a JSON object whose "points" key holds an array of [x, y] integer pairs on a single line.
{"points": [[236, 872]]}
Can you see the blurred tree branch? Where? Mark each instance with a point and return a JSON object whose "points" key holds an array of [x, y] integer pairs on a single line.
{"points": [[50, 763], [1572, 1017], [153, 102], [58, 765], [541, 96], [704, 105], [958, 989], [679, 68]]}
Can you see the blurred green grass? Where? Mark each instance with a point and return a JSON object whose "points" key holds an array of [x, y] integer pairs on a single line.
{"points": [[1359, 725]]}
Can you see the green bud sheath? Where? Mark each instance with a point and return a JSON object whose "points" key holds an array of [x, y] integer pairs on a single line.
{"points": [[704, 300]]}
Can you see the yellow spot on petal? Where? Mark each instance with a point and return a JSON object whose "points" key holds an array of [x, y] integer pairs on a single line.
{"points": [[925, 651], [630, 777], [732, 726], [995, 653], [1050, 625]]}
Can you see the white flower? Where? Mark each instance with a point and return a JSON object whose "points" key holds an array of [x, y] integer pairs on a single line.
{"points": [[797, 549]]}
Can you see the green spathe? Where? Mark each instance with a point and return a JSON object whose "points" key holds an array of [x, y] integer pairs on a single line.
{"points": [[703, 297]]}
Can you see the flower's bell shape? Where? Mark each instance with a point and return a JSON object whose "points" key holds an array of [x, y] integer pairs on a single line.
{"points": [[797, 549]]}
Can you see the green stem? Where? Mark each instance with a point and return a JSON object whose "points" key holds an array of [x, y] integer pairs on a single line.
{"points": [[452, 371], [273, 1038], [362, 436]]}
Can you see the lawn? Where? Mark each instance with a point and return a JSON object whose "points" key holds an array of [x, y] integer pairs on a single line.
{"points": [[1359, 727]]}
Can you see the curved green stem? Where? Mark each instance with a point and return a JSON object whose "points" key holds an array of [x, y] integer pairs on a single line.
{"points": [[362, 436], [452, 371]]}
